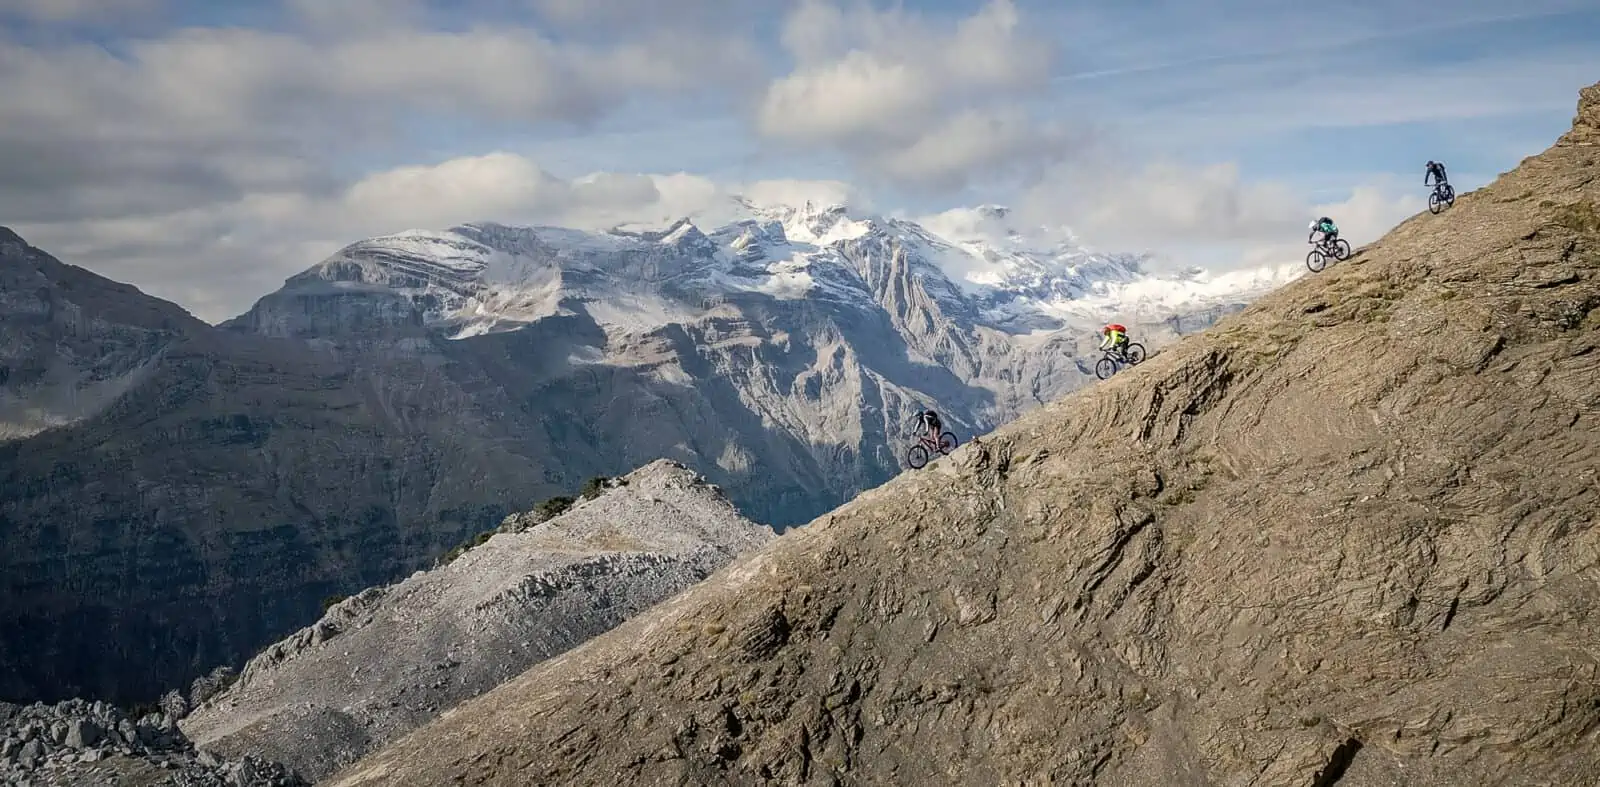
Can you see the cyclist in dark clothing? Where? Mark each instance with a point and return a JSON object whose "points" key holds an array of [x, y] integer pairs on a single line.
{"points": [[1324, 225], [1436, 173], [929, 421]]}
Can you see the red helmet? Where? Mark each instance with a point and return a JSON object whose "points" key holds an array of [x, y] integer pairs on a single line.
{"points": [[1117, 328]]}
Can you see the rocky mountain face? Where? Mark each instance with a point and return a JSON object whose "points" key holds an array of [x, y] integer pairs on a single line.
{"points": [[413, 390], [71, 342], [1345, 536], [389, 659], [78, 743], [780, 353]]}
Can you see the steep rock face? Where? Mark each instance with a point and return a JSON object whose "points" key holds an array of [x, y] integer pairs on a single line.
{"points": [[71, 341], [1347, 535], [211, 508], [389, 659]]}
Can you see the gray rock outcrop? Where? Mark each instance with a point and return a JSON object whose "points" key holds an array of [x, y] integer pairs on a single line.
{"points": [[389, 659], [1347, 536], [77, 743]]}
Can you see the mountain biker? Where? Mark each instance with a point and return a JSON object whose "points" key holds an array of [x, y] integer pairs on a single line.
{"points": [[929, 421], [1324, 225], [1436, 172], [1114, 337]]}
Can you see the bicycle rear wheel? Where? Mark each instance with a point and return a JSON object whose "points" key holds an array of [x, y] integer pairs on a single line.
{"points": [[917, 456], [1105, 368], [1449, 195], [1316, 262], [1134, 353], [947, 442], [1341, 249]]}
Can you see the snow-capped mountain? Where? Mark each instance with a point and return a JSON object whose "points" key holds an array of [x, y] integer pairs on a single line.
{"points": [[977, 267], [779, 352]]}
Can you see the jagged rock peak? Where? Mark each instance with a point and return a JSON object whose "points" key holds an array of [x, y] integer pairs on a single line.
{"points": [[389, 659], [1586, 124]]}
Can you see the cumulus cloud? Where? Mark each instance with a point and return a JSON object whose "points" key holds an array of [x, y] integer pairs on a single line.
{"points": [[919, 103], [206, 164], [217, 259], [1207, 214], [204, 114]]}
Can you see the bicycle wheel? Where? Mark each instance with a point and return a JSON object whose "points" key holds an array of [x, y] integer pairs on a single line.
{"points": [[1105, 368], [947, 442], [1316, 262], [1134, 353], [1449, 195], [1435, 204], [917, 457], [1341, 249]]}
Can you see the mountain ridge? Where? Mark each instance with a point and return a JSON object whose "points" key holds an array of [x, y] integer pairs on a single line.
{"points": [[1321, 542], [543, 582]]}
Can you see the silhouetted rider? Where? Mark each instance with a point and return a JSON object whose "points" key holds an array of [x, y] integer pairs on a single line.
{"points": [[929, 421], [1436, 173]]}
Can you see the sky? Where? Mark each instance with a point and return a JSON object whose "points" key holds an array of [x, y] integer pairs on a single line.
{"points": [[205, 150]]}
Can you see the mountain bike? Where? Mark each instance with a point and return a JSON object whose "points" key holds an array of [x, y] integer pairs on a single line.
{"points": [[1443, 196], [1113, 361], [919, 454], [1318, 258]]}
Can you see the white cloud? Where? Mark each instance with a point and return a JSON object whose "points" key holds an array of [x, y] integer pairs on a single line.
{"points": [[205, 114], [1206, 215], [217, 259], [921, 104]]}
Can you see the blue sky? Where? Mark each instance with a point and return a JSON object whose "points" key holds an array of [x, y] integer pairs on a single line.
{"points": [[206, 150]]}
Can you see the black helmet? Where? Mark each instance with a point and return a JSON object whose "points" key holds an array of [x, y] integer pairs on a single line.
{"points": [[1430, 163], [1324, 220]]}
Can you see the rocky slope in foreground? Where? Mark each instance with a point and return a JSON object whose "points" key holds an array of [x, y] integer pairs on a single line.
{"points": [[384, 662], [1345, 536]]}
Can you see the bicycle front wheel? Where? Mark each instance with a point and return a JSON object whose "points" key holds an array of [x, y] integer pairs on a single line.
{"points": [[1105, 368], [917, 457], [1316, 262], [1435, 204], [947, 442], [1134, 353]]}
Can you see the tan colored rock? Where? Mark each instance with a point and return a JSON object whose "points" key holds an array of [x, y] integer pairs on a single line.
{"points": [[1346, 536], [1586, 125]]}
